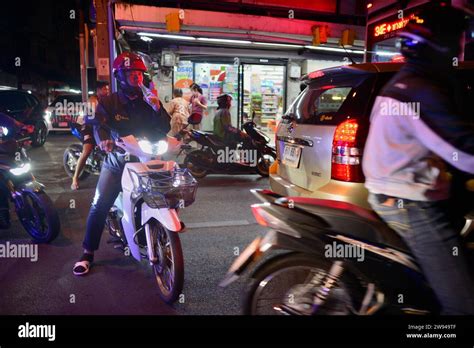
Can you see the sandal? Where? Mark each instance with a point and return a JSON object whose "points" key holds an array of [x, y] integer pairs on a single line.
{"points": [[83, 266]]}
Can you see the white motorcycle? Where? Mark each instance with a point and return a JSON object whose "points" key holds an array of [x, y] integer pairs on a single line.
{"points": [[145, 215]]}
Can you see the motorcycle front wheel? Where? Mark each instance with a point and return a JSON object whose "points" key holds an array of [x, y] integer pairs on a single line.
{"points": [[70, 158], [38, 215], [169, 269]]}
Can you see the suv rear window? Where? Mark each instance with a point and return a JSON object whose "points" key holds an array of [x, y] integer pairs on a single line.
{"points": [[328, 101]]}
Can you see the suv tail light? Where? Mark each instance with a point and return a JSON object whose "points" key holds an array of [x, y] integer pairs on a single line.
{"points": [[346, 156]]}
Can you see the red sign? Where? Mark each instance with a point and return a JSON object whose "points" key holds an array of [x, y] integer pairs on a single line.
{"points": [[386, 28]]}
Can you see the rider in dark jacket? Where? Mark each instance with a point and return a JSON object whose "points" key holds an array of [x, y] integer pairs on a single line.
{"points": [[123, 113], [223, 125], [417, 131]]}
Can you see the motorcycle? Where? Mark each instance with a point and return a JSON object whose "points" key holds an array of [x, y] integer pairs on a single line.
{"points": [[73, 152], [214, 156], [314, 277], [144, 218], [35, 210]]}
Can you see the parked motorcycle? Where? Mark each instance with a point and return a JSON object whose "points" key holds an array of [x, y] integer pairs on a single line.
{"points": [[306, 280], [145, 217], [35, 210], [73, 152], [217, 157]]}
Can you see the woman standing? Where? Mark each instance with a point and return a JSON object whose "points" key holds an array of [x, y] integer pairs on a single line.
{"points": [[198, 105], [179, 111]]}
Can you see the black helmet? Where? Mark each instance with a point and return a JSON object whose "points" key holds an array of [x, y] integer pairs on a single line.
{"points": [[434, 33], [223, 101]]}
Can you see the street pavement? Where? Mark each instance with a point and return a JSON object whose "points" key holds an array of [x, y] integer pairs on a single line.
{"points": [[218, 222]]}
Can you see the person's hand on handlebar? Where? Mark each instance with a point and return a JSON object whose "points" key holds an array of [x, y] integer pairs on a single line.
{"points": [[107, 145]]}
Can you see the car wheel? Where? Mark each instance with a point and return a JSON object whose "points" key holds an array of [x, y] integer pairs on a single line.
{"points": [[39, 135]]}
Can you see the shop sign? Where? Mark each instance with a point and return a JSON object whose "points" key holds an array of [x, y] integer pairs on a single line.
{"points": [[389, 27]]}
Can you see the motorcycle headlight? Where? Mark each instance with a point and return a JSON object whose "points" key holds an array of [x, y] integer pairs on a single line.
{"points": [[156, 149], [4, 131], [146, 146], [21, 170], [161, 147]]}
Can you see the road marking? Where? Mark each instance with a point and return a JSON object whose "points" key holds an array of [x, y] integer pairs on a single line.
{"points": [[218, 224]]}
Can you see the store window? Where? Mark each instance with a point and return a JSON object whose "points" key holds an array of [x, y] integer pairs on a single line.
{"points": [[214, 79]]}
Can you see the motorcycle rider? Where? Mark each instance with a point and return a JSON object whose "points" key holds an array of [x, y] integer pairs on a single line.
{"points": [[223, 125], [9, 128], [416, 131], [88, 142], [123, 113]]}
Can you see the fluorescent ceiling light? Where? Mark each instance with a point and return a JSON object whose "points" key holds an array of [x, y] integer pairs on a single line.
{"points": [[224, 40], [386, 53], [334, 49], [146, 38], [277, 44], [167, 36]]}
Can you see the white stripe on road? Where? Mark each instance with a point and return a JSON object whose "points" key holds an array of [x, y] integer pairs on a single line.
{"points": [[217, 224]]}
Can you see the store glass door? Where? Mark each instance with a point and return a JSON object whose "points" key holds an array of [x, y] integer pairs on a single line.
{"points": [[263, 95]]}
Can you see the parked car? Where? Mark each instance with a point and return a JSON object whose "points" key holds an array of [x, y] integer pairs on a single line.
{"points": [[320, 140], [64, 111], [27, 109]]}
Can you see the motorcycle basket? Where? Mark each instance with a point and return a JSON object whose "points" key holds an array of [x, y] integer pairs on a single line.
{"points": [[166, 189]]}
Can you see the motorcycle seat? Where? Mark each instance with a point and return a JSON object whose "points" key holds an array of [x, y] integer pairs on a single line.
{"points": [[216, 141], [351, 220]]}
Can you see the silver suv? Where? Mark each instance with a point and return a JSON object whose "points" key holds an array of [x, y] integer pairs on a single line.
{"points": [[321, 138]]}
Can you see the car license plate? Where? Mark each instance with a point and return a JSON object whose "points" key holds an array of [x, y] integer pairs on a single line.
{"points": [[63, 124], [291, 156]]}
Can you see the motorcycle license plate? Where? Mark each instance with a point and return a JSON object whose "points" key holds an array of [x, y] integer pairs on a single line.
{"points": [[63, 124], [291, 156]]}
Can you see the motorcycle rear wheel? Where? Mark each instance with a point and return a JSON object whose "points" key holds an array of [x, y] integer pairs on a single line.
{"points": [[195, 170], [70, 163], [264, 163], [169, 270]]}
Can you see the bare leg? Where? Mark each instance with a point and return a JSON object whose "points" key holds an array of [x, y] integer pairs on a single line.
{"points": [[86, 151]]}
